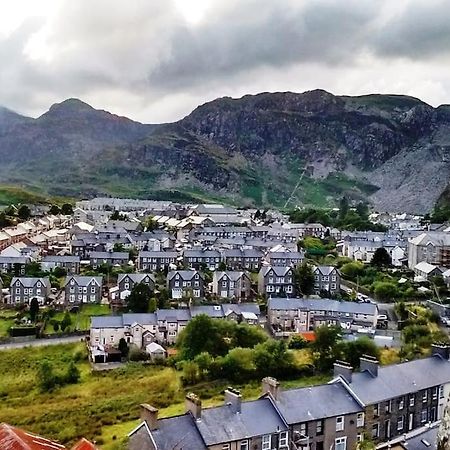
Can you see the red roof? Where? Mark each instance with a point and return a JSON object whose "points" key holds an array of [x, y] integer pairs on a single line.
{"points": [[12, 438], [84, 444], [310, 336]]}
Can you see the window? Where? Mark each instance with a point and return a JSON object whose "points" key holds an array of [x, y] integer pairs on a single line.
{"points": [[376, 410], [243, 445], [303, 429], [226, 447], [441, 391], [411, 400], [339, 423], [319, 427], [375, 430], [423, 416], [359, 437], [388, 407], [435, 393], [424, 396], [266, 442], [283, 442], [401, 404], [340, 443], [360, 420], [400, 423]]}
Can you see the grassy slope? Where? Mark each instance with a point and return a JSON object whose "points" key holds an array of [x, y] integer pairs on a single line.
{"points": [[103, 406]]}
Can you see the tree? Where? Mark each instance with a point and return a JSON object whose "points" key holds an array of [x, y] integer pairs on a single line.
{"points": [[385, 291], [34, 309], [153, 305], [67, 209], [118, 247], [54, 210], [73, 374], [66, 321], [123, 347], [24, 212], [55, 325], [352, 269], [4, 220], [150, 224], [381, 258], [46, 377], [304, 279], [354, 350], [138, 300], [343, 207], [326, 347]]}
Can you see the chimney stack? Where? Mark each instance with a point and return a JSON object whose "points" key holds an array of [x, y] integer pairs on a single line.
{"points": [[440, 349], [149, 414], [271, 386], [233, 398], [369, 364], [343, 369], [193, 404]]}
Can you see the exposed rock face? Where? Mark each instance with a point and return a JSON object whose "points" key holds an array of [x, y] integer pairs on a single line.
{"points": [[392, 150]]}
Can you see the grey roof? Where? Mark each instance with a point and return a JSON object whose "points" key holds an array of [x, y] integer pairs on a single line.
{"points": [[175, 315], [135, 277], [222, 424], [184, 274], [14, 259], [289, 255], [106, 322], [141, 318], [325, 270], [214, 311], [178, 432], [418, 441], [313, 403], [29, 282], [246, 253], [63, 259], [239, 308], [322, 304], [233, 275], [151, 254], [280, 271], [83, 280], [201, 253], [110, 255], [400, 379]]}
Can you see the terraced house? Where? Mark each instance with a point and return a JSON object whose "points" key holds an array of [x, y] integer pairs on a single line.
{"points": [[242, 259], [276, 280], [196, 258], [232, 284], [326, 279], [110, 258], [67, 262], [23, 289], [155, 261], [83, 289], [127, 281], [186, 283]]}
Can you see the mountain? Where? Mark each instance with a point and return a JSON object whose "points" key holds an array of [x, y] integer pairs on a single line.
{"points": [[267, 149]]}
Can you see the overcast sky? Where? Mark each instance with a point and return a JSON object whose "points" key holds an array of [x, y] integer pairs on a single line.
{"points": [[156, 60]]}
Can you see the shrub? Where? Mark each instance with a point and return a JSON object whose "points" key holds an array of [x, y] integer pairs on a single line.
{"points": [[136, 354]]}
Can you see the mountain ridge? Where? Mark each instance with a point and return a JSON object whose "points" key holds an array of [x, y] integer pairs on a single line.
{"points": [[260, 149]]}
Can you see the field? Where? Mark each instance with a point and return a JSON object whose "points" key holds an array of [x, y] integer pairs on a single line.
{"points": [[102, 406]]}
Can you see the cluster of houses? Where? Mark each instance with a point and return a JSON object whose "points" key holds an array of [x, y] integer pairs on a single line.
{"points": [[390, 404]]}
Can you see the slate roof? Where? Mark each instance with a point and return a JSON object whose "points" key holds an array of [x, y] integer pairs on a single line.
{"points": [[135, 277], [214, 311], [400, 379], [63, 259], [222, 424], [184, 274], [30, 282], [193, 253], [141, 318], [280, 271], [175, 315], [313, 403], [83, 280], [321, 305], [245, 253], [106, 322], [325, 270], [233, 275], [175, 432], [109, 255], [152, 254], [14, 260]]}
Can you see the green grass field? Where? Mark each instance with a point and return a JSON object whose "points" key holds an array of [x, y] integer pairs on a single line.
{"points": [[102, 406]]}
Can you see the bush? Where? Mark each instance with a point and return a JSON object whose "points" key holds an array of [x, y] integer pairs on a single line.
{"points": [[136, 354], [297, 342]]}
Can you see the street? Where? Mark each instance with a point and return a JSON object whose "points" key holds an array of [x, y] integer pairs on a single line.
{"points": [[41, 342]]}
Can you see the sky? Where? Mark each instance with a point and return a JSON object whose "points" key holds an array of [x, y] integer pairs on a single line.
{"points": [[156, 60]]}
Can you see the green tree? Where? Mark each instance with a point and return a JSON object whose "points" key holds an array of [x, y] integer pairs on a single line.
{"points": [[66, 321], [326, 347], [34, 309], [67, 209], [54, 210], [153, 305], [138, 300], [24, 212], [381, 258], [191, 373], [46, 377], [297, 342], [73, 374], [123, 347], [352, 270], [304, 279], [354, 350], [55, 325], [385, 291], [4, 220], [118, 247], [343, 207]]}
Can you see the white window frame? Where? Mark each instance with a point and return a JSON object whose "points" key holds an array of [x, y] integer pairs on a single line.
{"points": [[340, 423], [266, 442], [339, 441], [244, 445], [226, 447], [400, 423], [360, 419], [283, 439]]}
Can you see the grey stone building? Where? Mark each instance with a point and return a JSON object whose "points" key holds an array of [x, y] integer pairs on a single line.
{"points": [[83, 289], [14, 264], [23, 289], [276, 281], [110, 258], [232, 284], [68, 262], [197, 258], [126, 282], [155, 261], [327, 279], [285, 258], [186, 284], [242, 259]]}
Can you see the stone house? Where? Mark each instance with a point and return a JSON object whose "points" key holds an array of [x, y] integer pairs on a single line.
{"points": [[186, 283], [327, 279], [276, 281], [68, 262], [156, 261], [23, 289], [196, 258], [242, 259], [232, 284], [110, 258], [83, 289]]}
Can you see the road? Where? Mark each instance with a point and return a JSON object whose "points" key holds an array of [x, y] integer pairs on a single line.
{"points": [[41, 342]]}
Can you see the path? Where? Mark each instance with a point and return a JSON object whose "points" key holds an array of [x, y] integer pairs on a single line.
{"points": [[41, 342]]}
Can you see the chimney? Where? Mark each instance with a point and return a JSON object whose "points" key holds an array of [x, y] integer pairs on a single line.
{"points": [[149, 414], [271, 386], [369, 364], [440, 349], [343, 369], [233, 398], [193, 404]]}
